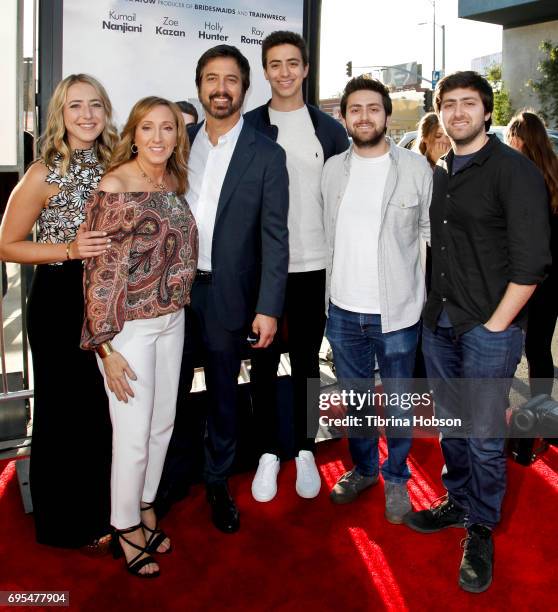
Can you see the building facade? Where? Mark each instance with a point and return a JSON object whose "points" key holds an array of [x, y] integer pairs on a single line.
{"points": [[526, 23], [485, 62]]}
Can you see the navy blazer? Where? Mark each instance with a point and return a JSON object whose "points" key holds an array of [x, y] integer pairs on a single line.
{"points": [[250, 248]]}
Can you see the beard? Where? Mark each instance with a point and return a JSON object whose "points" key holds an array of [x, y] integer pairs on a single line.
{"points": [[371, 141], [223, 112], [467, 138]]}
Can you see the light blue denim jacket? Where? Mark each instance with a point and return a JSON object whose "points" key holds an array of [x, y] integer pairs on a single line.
{"points": [[404, 222]]}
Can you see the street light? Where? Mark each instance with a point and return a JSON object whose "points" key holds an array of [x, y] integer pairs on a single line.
{"points": [[443, 27]]}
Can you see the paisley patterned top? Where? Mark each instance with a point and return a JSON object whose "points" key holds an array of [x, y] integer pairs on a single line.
{"points": [[60, 220], [150, 266]]}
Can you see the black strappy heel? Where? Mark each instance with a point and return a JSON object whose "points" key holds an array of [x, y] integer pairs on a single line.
{"points": [[134, 565], [157, 536]]}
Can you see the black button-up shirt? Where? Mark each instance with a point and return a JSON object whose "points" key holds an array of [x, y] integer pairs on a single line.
{"points": [[490, 226]]}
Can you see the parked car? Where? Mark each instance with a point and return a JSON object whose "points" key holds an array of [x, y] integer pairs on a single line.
{"points": [[408, 139]]}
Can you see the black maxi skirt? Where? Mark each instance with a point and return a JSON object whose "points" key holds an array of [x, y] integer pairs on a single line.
{"points": [[71, 443]]}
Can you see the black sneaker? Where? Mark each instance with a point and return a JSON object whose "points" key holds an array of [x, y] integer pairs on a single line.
{"points": [[443, 513], [475, 571]]}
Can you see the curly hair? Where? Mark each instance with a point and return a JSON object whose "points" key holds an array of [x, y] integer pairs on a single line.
{"points": [[177, 162], [54, 139]]}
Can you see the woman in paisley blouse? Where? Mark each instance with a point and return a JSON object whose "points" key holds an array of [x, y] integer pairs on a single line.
{"points": [[70, 449], [135, 293]]}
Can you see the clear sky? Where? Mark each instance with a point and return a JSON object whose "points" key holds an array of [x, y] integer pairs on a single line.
{"points": [[386, 32]]}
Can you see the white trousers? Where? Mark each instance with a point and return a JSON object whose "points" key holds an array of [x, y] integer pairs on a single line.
{"points": [[142, 427]]}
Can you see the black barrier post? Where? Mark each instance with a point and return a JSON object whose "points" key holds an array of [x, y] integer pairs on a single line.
{"points": [[311, 32], [50, 57]]}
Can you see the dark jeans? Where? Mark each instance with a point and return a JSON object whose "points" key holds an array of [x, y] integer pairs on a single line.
{"points": [[459, 369], [356, 340], [304, 322]]}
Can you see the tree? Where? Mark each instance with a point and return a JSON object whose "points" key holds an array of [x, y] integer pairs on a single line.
{"points": [[546, 87], [503, 110]]}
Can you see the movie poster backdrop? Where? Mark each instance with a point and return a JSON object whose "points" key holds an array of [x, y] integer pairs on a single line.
{"points": [[150, 47]]}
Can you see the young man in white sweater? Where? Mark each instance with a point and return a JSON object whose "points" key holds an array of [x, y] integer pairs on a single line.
{"points": [[309, 138]]}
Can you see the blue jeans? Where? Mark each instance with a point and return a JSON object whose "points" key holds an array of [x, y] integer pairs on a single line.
{"points": [[356, 340], [475, 466]]}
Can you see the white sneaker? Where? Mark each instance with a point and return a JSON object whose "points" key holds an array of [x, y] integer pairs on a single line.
{"points": [[308, 480], [264, 485]]}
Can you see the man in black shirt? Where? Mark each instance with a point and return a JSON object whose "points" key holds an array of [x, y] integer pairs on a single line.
{"points": [[490, 249]]}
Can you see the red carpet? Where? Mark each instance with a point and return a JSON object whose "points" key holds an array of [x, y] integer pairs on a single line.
{"points": [[295, 554]]}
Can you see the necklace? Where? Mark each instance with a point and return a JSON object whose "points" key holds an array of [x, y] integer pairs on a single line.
{"points": [[162, 185]]}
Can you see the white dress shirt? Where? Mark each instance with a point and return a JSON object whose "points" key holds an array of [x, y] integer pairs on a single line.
{"points": [[207, 168]]}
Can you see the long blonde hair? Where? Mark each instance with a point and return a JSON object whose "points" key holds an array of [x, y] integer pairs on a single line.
{"points": [[177, 162], [54, 140]]}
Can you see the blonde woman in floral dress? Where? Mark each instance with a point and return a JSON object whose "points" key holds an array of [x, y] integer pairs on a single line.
{"points": [[70, 448]]}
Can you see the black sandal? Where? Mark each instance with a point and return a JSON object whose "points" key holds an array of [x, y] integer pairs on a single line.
{"points": [[157, 536], [134, 566]]}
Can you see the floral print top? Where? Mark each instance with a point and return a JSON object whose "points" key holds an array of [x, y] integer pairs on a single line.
{"points": [[65, 212]]}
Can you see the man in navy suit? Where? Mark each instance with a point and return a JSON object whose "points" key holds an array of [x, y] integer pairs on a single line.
{"points": [[238, 193]]}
